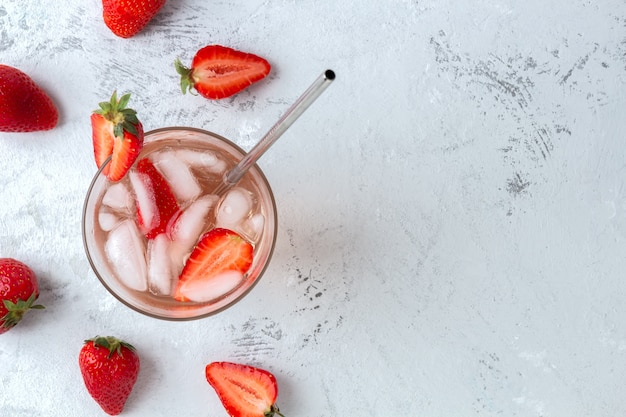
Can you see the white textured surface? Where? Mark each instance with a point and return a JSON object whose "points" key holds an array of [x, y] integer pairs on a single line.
{"points": [[452, 211]]}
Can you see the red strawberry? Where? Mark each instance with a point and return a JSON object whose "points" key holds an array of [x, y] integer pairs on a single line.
{"points": [[217, 72], [153, 224], [24, 106], [126, 18], [110, 368], [18, 291], [245, 391], [116, 132], [217, 252]]}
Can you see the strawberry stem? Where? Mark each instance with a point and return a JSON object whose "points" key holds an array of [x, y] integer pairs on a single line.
{"points": [[112, 344], [123, 118], [186, 76], [17, 310], [273, 410]]}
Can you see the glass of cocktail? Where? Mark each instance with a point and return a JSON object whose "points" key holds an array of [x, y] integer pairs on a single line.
{"points": [[142, 265], [192, 226]]}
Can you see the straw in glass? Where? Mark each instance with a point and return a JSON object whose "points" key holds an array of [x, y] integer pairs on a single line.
{"points": [[307, 98]]}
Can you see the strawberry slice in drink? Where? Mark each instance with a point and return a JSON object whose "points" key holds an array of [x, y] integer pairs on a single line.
{"points": [[216, 265], [156, 203]]}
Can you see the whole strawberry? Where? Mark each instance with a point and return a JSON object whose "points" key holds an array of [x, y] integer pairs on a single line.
{"points": [[24, 106], [110, 368], [117, 133], [126, 18], [18, 291]]}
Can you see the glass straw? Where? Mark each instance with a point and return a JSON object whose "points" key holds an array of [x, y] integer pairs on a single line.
{"points": [[233, 176]]}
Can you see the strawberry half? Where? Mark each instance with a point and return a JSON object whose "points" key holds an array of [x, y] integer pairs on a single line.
{"points": [[116, 132], [159, 205], [220, 254], [217, 71], [245, 391], [24, 106]]}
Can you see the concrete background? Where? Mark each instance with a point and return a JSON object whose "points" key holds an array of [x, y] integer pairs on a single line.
{"points": [[452, 210]]}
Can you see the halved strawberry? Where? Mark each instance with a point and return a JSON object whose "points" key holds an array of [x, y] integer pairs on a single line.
{"points": [[245, 391], [218, 254], [217, 71], [116, 132], [154, 211]]}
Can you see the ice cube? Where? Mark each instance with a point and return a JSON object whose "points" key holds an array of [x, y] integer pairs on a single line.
{"points": [[257, 222], [160, 272], [234, 208], [178, 175], [118, 197], [178, 254], [125, 250], [207, 161], [146, 203], [193, 220], [107, 220], [252, 227], [187, 229], [205, 290]]}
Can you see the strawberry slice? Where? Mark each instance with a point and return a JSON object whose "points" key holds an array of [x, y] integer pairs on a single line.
{"points": [[116, 133], [245, 391], [156, 203], [218, 255], [218, 72], [102, 136]]}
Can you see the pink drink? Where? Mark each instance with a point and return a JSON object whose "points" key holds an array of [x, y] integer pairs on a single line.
{"points": [[142, 272]]}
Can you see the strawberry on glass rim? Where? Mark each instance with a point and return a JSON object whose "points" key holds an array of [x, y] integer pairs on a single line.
{"points": [[116, 133], [218, 72]]}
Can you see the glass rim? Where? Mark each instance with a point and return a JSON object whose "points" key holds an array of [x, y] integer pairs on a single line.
{"points": [[230, 303]]}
